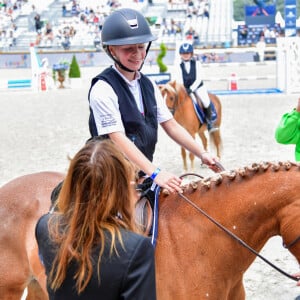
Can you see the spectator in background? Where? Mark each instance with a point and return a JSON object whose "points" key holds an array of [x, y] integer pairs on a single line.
{"points": [[75, 9], [64, 10], [261, 47], [49, 36], [244, 32], [66, 43], [206, 12], [288, 130], [38, 23], [189, 34], [31, 19]]}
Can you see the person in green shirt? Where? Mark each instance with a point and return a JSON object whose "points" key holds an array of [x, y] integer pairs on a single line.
{"points": [[288, 130]]}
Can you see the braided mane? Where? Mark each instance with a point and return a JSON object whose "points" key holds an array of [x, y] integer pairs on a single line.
{"points": [[240, 173]]}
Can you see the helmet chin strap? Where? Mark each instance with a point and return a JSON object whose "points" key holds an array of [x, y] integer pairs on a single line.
{"points": [[122, 66]]}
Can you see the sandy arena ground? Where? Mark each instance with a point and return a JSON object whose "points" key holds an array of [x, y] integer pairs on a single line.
{"points": [[40, 130]]}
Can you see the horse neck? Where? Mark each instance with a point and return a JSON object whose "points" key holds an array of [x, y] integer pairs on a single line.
{"points": [[184, 101], [255, 202]]}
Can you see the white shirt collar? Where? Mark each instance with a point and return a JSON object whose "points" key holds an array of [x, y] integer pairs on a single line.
{"points": [[132, 82]]}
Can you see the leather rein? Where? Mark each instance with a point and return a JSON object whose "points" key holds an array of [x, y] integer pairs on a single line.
{"points": [[230, 233], [171, 89]]}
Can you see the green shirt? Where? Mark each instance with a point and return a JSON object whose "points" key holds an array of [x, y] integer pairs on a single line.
{"points": [[288, 131]]}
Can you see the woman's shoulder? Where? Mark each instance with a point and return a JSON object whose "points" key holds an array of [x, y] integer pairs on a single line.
{"points": [[134, 240], [42, 222]]}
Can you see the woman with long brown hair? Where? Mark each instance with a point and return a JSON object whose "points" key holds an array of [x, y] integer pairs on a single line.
{"points": [[90, 245]]}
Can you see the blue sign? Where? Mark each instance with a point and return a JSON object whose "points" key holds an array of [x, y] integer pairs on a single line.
{"points": [[290, 17], [160, 78]]}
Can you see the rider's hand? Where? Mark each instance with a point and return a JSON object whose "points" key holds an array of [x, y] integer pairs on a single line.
{"points": [[168, 181], [211, 161]]}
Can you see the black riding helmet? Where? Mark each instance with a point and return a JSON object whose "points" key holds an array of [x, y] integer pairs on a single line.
{"points": [[125, 27]]}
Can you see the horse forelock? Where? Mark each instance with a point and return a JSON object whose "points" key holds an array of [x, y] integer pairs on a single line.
{"points": [[170, 88], [241, 173]]}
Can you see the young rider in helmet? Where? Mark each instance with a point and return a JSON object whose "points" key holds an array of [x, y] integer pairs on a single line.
{"points": [[189, 74], [126, 106]]}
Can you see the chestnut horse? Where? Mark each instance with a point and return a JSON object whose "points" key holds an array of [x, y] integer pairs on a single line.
{"points": [[182, 108], [22, 201], [195, 257]]}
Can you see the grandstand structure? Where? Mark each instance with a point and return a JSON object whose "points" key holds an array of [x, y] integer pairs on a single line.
{"points": [[209, 20], [78, 27]]}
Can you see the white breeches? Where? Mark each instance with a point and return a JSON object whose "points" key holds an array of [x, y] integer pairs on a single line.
{"points": [[202, 93]]}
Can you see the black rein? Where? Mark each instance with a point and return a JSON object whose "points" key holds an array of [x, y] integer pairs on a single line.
{"points": [[235, 236]]}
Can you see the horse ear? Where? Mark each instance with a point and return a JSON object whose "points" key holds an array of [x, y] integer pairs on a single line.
{"points": [[173, 83]]}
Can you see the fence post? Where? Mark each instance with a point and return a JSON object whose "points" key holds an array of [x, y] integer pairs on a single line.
{"points": [[288, 64]]}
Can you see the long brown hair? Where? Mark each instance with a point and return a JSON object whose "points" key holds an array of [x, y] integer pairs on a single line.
{"points": [[96, 196]]}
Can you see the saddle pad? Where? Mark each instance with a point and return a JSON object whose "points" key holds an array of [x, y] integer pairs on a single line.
{"points": [[200, 113]]}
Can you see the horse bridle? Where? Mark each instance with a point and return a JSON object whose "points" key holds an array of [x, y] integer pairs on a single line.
{"points": [[235, 237], [175, 103]]}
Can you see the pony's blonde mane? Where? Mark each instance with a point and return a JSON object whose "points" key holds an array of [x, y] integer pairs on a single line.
{"points": [[240, 173]]}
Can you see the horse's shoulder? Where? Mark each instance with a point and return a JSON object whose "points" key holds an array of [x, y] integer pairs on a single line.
{"points": [[30, 192]]}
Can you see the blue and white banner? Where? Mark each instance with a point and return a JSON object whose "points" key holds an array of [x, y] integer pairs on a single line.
{"points": [[290, 17]]}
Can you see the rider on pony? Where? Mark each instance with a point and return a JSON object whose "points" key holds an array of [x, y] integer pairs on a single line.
{"points": [[190, 75]]}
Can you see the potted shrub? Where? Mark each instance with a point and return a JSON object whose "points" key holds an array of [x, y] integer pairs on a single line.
{"points": [[74, 73], [61, 69]]}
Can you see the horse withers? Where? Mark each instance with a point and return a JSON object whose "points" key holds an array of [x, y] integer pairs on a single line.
{"points": [[182, 107], [195, 259]]}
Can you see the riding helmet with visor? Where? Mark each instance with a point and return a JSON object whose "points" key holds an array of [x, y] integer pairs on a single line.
{"points": [[125, 26], [186, 48]]}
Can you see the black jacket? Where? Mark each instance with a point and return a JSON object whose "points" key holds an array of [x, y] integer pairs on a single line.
{"points": [[131, 275]]}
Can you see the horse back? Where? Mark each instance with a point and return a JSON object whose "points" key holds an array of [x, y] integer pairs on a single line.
{"points": [[22, 201]]}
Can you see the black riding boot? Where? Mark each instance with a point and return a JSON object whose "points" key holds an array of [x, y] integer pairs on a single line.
{"points": [[210, 117]]}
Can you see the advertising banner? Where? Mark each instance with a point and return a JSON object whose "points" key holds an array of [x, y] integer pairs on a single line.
{"points": [[290, 17]]}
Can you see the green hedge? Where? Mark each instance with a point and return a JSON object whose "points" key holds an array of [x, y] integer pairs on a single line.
{"points": [[163, 50], [74, 71]]}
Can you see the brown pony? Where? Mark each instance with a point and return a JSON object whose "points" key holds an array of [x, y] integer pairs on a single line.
{"points": [[195, 257], [181, 106]]}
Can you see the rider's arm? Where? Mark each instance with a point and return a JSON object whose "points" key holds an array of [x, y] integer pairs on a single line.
{"points": [[162, 178], [288, 130], [184, 139], [199, 77]]}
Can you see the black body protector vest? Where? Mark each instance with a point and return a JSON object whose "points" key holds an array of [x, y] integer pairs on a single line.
{"points": [[188, 78], [140, 129]]}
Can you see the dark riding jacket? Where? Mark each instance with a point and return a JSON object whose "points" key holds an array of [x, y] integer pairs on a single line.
{"points": [[189, 78], [140, 129], [127, 276]]}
